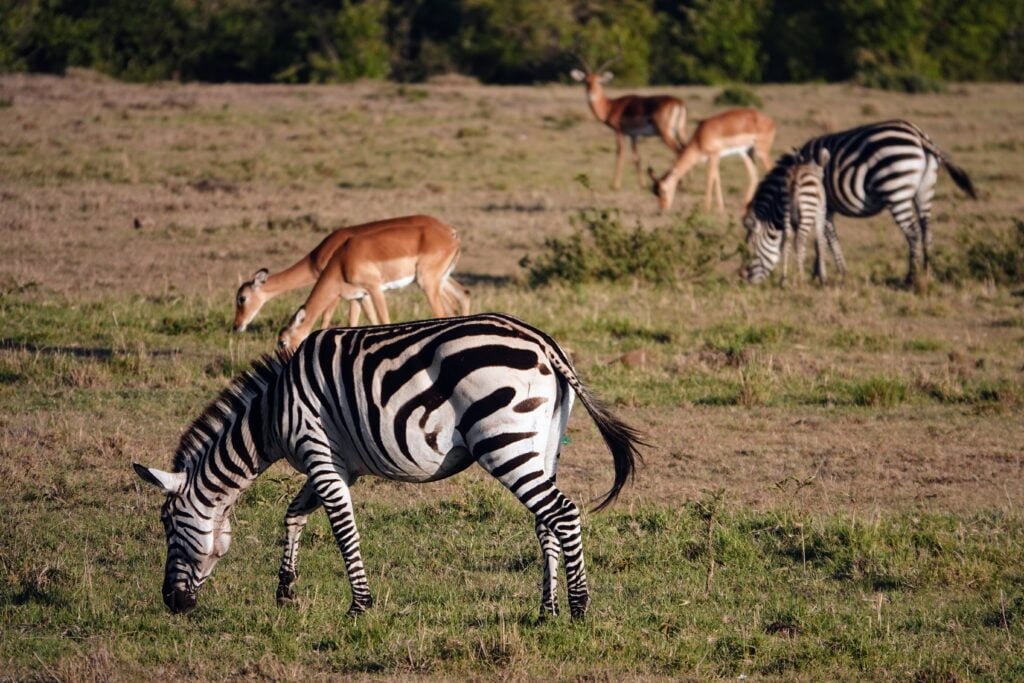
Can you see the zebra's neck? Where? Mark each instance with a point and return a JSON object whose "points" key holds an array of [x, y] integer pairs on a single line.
{"points": [[225, 449]]}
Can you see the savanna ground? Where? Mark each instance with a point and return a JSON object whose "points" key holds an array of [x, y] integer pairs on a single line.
{"points": [[834, 488]]}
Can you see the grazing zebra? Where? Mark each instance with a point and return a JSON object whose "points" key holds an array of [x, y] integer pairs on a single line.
{"points": [[890, 165], [805, 215], [414, 402]]}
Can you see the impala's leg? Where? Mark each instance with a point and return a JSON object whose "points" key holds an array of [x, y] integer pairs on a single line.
{"points": [[714, 183], [380, 304], [304, 503], [329, 313], [620, 156], [353, 312], [748, 163], [457, 295], [331, 483], [637, 162], [433, 288]]}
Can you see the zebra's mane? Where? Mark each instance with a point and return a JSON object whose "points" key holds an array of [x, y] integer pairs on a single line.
{"points": [[211, 422], [772, 187]]}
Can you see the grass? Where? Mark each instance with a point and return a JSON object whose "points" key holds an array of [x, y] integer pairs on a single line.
{"points": [[833, 491]]}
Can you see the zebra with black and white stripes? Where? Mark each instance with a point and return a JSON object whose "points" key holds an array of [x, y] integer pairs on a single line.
{"points": [[890, 165], [414, 402], [806, 216]]}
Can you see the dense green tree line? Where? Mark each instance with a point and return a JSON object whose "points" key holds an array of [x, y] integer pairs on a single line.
{"points": [[518, 41]]}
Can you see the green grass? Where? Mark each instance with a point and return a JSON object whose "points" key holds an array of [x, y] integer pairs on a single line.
{"points": [[456, 584]]}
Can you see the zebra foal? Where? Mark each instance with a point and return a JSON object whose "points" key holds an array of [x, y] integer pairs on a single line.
{"points": [[414, 402], [889, 165], [805, 215]]}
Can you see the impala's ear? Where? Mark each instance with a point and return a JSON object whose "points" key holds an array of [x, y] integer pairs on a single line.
{"points": [[168, 482], [823, 157], [577, 75], [299, 316], [260, 278], [607, 76]]}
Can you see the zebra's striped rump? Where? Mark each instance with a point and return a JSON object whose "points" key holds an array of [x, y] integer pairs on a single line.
{"points": [[414, 402]]}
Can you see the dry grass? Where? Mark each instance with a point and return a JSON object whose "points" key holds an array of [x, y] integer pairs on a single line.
{"points": [[129, 213]]}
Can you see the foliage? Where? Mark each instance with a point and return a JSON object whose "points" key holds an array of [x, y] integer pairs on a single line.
{"points": [[910, 45], [995, 255], [738, 96], [601, 248]]}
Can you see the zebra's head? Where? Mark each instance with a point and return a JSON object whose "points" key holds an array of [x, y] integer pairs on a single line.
{"points": [[249, 299], [764, 246], [197, 537]]}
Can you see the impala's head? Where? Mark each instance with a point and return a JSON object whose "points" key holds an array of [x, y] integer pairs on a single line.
{"points": [[292, 334], [663, 189], [250, 299], [198, 535], [591, 79]]}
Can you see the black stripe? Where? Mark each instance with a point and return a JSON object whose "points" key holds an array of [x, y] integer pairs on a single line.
{"points": [[509, 465], [495, 401]]}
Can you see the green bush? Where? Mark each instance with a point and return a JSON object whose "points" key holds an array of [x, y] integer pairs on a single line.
{"points": [[601, 248], [995, 255], [879, 392], [738, 96]]}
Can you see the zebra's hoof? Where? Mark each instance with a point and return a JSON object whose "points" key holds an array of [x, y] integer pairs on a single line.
{"points": [[359, 606], [547, 612], [579, 610], [286, 596]]}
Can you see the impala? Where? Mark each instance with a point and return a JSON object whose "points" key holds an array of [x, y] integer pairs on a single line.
{"points": [[264, 285], [746, 132], [632, 116], [424, 250]]}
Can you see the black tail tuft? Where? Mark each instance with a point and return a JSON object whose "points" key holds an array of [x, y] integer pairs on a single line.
{"points": [[622, 440], [961, 178]]}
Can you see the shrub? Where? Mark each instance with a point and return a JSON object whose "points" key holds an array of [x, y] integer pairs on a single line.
{"points": [[994, 255], [738, 96], [879, 392], [601, 248]]}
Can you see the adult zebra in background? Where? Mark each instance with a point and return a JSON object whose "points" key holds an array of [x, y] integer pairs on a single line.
{"points": [[890, 165], [415, 402]]}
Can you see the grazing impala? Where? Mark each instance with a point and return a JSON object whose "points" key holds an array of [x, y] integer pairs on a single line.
{"points": [[265, 285], [634, 116], [746, 132], [368, 264]]}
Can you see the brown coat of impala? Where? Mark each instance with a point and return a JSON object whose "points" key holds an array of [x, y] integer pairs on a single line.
{"points": [[744, 132], [423, 250], [264, 285], [633, 116]]}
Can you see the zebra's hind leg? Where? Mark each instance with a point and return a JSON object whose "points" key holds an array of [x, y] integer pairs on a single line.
{"points": [[905, 215], [304, 503], [832, 238], [332, 487], [524, 476], [551, 551]]}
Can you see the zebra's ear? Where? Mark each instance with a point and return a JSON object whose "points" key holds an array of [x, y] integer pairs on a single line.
{"points": [[823, 157], [168, 482]]}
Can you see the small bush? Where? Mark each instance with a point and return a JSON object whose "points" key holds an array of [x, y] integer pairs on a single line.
{"points": [[738, 96], [996, 256], [601, 248], [879, 392], [900, 80]]}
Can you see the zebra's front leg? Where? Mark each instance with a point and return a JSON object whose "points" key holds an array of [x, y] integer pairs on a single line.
{"points": [[303, 504], [551, 551], [332, 487]]}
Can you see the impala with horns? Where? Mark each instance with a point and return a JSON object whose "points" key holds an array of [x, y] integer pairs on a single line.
{"points": [[744, 132], [632, 116], [264, 285], [423, 250]]}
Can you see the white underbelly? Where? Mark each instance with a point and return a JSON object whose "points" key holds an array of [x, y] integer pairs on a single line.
{"points": [[731, 151], [398, 284]]}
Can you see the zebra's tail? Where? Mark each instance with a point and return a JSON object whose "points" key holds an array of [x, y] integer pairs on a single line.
{"points": [[959, 175], [622, 440]]}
